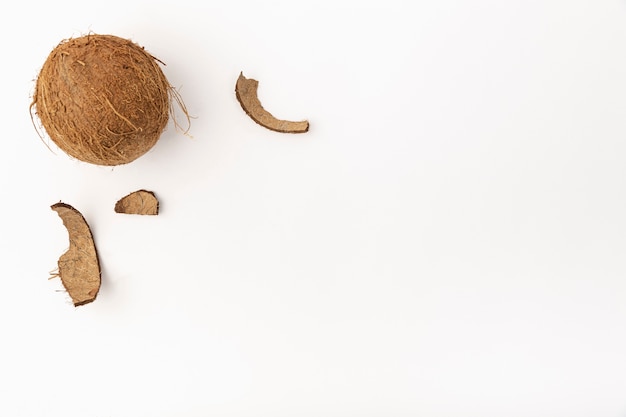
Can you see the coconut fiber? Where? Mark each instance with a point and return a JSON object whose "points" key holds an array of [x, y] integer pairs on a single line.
{"points": [[102, 99]]}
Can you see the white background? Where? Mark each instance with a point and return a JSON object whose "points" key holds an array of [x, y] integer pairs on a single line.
{"points": [[449, 238]]}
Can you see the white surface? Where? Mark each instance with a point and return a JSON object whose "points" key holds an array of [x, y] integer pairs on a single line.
{"points": [[447, 240]]}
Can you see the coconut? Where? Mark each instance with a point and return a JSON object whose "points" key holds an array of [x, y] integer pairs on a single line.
{"points": [[102, 99]]}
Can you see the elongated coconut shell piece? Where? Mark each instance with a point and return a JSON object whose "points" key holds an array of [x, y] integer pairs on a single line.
{"points": [[246, 92], [138, 202], [79, 268]]}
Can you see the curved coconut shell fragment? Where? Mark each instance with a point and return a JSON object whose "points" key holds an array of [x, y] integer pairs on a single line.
{"points": [[138, 202], [79, 268], [246, 91]]}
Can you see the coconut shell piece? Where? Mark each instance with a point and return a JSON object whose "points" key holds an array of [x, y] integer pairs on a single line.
{"points": [[138, 202], [246, 92], [102, 99], [79, 268]]}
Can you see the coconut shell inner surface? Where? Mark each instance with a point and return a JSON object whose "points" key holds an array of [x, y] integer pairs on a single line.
{"points": [[246, 92], [79, 267], [102, 99], [142, 202]]}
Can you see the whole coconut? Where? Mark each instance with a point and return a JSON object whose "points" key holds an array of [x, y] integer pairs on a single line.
{"points": [[102, 99]]}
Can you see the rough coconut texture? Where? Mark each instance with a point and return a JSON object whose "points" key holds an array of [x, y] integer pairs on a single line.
{"points": [[102, 99], [246, 92], [79, 267], [142, 202]]}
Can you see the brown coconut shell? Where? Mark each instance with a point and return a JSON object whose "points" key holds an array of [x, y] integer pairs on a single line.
{"points": [[246, 92], [79, 267], [102, 99], [142, 202]]}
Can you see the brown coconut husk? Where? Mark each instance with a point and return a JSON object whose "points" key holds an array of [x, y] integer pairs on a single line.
{"points": [[103, 99]]}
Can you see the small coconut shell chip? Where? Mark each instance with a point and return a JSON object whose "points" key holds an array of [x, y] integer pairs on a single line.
{"points": [[79, 268], [138, 202], [246, 92]]}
